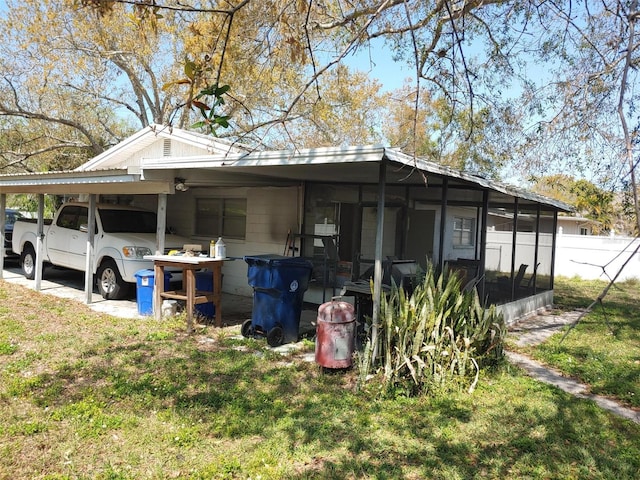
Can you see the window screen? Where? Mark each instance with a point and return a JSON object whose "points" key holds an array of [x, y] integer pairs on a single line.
{"points": [[221, 217], [463, 232]]}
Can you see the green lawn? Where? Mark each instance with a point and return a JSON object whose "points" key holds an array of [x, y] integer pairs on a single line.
{"points": [[603, 350], [87, 396]]}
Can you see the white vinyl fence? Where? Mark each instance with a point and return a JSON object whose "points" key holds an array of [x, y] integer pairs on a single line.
{"points": [[588, 257], [592, 257]]}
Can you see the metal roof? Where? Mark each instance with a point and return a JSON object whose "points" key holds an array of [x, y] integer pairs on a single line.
{"points": [[504, 188], [239, 167], [333, 164], [108, 181]]}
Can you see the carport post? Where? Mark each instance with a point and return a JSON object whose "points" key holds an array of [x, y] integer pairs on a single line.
{"points": [[91, 234], [161, 225], [3, 219], [39, 240]]}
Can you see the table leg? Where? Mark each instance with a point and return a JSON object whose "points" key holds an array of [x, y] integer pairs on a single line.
{"points": [[158, 287], [191, 296], [217, 293]]}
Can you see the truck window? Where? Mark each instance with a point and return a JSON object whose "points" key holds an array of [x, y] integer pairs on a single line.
{"points": [[11, 217], [131, 221], [70, 217]]}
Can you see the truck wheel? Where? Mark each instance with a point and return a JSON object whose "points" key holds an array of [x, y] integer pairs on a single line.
{"points": [[110, 283], [28, 261]]}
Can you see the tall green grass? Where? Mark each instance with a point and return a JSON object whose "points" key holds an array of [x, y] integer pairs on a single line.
{"points": [[434, 338], [88, 396]]}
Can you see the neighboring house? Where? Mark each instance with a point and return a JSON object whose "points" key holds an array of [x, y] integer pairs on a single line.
{"points": [[344, 207], [566, 224], [575, 225]]}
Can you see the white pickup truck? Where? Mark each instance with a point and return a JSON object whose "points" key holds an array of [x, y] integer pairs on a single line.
{"points": [[124, 235]]}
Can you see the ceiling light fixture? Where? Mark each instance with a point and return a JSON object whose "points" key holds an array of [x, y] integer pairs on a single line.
{"points": [[180, 185]]}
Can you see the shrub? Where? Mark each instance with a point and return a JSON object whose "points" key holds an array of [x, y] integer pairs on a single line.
{"points": [[436, 337]]}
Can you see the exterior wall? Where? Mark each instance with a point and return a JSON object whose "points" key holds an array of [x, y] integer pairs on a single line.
{"points": [[271, 213], [156, 150], [571, 226], [452, 252]]}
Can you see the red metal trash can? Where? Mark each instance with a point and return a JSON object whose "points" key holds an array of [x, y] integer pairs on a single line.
{"points": [[335, 334]]}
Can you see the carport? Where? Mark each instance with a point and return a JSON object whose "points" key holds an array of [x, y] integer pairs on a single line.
{"points": [[92, 184]]}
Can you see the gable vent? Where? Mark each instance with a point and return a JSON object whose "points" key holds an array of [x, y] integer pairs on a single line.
{"points": [[166, 147]]}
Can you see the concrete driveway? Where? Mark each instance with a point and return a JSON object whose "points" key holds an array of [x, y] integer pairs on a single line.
{"points": [[70, 284]]}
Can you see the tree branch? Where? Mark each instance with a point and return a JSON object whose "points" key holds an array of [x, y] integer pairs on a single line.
{"points": [[621, 114], [19, 112]]}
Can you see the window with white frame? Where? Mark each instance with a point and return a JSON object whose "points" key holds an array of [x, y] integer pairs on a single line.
{"points": [[221, 217], [464, 232]]}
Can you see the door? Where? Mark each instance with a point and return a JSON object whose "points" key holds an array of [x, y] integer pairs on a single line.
{"points": [[349, 232], [420, 231], [67, 238], [369, 228]]}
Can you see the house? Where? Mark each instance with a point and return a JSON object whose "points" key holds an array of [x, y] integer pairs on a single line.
{"points": [[353, 210], [576, 225], [566, 224]]}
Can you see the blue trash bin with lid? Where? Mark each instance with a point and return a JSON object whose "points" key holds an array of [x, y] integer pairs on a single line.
{"points": [[279, 284], [145, 280]]}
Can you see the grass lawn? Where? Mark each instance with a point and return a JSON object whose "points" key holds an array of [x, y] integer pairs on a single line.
{"points": [[88, 396], [603, 350]]}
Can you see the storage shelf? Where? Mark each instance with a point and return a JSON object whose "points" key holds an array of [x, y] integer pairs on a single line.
{"points": [[200, 296]]}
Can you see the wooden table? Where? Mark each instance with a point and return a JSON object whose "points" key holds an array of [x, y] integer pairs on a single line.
{"points": [[189, 293]]}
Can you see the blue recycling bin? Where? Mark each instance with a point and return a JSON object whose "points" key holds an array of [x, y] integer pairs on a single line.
{"points": [[204, 282], [145, 280], [279, 284]]}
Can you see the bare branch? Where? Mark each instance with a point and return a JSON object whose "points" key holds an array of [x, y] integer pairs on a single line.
{"points": [[623, 120], [602, 295], [19, 112]]}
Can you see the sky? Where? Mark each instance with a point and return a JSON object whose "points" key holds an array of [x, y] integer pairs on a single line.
{"points": [[378, 63]]}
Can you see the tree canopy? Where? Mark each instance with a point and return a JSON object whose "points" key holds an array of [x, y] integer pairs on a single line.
{"points": [[498, 88], [589, 200]]}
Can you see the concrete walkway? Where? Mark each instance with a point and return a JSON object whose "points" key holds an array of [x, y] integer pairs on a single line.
{"points": [[537, 329]]}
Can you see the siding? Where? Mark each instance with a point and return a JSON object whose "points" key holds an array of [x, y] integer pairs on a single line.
{"points": [[157, 150], [271, 213]]}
